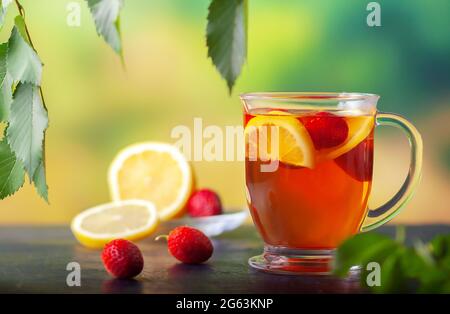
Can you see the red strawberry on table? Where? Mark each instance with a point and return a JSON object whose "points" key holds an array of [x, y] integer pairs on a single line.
{"points": [[122, 259], [326, 129], [204, 202], [189, 245]]}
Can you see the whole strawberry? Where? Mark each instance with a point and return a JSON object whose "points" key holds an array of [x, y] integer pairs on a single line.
{"points": [[204, 202], [326, 129], [189, 245], [122, 259]]}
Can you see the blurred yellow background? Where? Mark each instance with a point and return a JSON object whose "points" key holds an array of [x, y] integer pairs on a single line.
{"points": [[96, 107]]}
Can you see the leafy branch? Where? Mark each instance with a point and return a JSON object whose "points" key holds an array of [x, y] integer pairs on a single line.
{"points": [[22, 110], [22, 104], [22, 13]]}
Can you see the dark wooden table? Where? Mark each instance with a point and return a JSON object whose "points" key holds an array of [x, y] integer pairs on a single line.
{"points": [[34, 260]]}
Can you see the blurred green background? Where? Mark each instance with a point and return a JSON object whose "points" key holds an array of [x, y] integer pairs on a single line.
{"points": [[96, 107]]}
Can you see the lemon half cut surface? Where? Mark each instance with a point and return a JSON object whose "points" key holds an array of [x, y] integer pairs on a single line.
{"points": [[131, 219], [152, 171]]}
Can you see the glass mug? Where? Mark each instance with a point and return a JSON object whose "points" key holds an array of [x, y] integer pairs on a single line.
{"points": [[308, 164]]}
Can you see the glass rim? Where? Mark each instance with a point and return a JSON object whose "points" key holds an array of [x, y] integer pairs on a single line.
{"points": [[309, 96]]}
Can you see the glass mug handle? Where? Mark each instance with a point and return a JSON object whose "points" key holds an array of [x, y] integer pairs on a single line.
{"points": [[394, 205]]}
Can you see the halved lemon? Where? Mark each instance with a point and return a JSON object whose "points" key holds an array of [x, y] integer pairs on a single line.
{"points": [[294, 143], [131, 220], [359, 127], [153, 171]]}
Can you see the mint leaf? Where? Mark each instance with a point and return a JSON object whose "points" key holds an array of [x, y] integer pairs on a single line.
{"points": [[361, 250], [23, 63], [405, 271], [11, 171], [392, 278], [440, 250], [440, 246], [226, 37], [3, 8], [424, 268], [107, 21], [39, 181], [27, 123]]}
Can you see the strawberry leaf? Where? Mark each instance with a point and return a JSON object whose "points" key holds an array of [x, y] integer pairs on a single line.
{"points": [[23, 63], [107, 21], [226, 37], [27, 124], [11, 171]]}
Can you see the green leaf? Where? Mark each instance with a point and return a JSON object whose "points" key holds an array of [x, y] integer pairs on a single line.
{"points": [[361, 250], [3, 56], [440, 250], [413, 264], [434, 280], [27, 123], [423, 268], [107, 21], [5, 84], [392, 277], [11, 171], [440, 246], [23, 63], [3, 8], [402, 272], [226, 37], [40, 182], [5, 97]]}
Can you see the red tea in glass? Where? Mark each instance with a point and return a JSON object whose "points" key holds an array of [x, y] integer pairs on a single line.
{"points": [[309, 160]]}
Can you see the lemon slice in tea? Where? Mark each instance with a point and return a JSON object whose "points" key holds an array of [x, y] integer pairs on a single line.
{"points": [[294, 145]]}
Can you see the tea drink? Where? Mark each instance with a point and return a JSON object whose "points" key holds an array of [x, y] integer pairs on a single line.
{"points": [[316, 196]]}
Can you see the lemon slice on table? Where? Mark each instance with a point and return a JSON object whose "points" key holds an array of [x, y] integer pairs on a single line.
{"points": [[131, 220], [153, 171], [358, 129], [294, 143]]}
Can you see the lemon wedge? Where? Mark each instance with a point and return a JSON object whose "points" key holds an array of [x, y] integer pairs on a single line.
{"points": [[153, 171], [294, 145], [131, 220]]}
